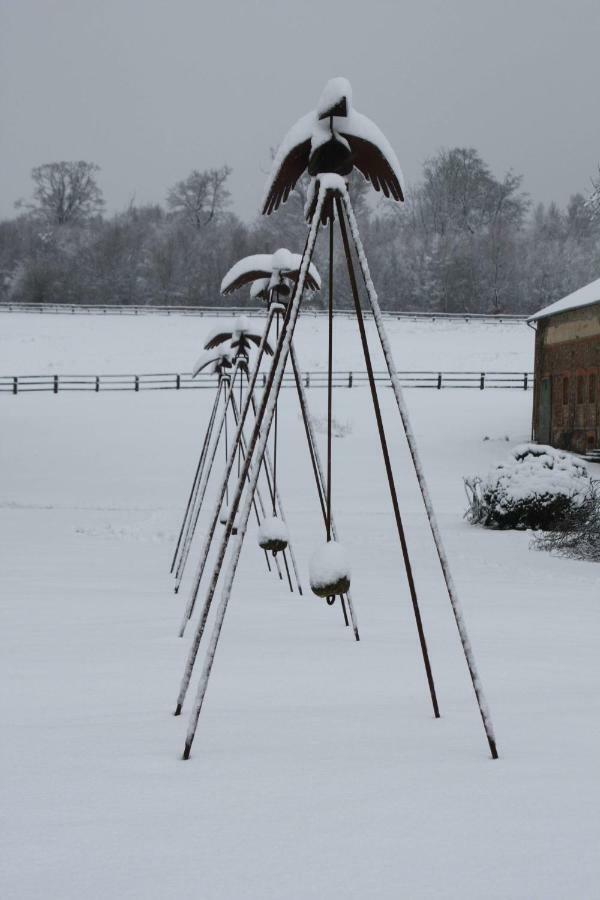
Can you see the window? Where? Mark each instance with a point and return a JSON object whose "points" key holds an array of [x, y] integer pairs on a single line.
{"points": [[580, 389], [592, 388], [565, 390]]}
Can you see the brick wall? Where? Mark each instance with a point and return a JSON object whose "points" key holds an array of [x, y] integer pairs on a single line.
{"points": [[567, 350]]}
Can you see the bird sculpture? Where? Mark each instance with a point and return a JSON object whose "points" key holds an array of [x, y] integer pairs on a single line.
{"points": [[240, 335], [217, 358], [333, 138], [273, 270]]}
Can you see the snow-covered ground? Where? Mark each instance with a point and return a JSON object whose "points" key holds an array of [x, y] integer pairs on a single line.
{"points": [[318, 770], [39, 344]]}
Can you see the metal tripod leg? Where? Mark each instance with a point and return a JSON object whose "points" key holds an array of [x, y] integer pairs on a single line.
{"points": [[224, 480], [256, 446], [317, 465], [198, 475], [416, 460]]}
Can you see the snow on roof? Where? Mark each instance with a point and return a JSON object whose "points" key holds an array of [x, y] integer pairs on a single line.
{"points": [[585, 296]]}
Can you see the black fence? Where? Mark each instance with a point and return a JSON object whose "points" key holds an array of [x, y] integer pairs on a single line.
{"points": [[21, 384]]}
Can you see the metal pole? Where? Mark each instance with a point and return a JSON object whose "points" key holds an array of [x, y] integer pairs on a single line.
{"points": [[387, 462], [198, 473], [257, 443], [202, 491], [317, 466], [268, 467], [219, 502], [414, 452]]}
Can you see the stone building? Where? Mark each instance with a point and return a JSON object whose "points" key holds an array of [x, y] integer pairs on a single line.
{"points": [[566, 399]]}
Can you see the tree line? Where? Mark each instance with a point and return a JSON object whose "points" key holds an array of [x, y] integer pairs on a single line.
{"points": [[464, 241]]}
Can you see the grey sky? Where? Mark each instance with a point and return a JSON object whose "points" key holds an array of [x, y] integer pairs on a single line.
{"points": [[150, 90]]}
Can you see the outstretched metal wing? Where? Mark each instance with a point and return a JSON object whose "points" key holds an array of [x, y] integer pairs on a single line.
{"points": [[220, 357], [245, 271], [290, 162], [373, 155]]}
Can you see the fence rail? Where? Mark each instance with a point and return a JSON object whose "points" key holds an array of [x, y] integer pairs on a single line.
{"points": [[164, 381], [120, 310]]}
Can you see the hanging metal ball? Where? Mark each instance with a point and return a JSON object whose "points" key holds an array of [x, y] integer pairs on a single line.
{"points": [[224, 517], [329, 570], [273, 535]]}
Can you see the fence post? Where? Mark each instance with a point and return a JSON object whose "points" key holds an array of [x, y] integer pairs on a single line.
{"points": [[264, 384], [137, 383], [178, 382], [482, 381], [439, 381], [15, 384], [307, 382], [524, 381], [97, 385], [55, 384], [349, 379]]}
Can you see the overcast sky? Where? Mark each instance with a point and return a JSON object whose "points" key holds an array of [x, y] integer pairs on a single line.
{"points": [[150, 90]]}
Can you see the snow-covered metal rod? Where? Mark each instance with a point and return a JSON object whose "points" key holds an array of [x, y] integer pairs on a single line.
{"points": [[213, 524], [257, 445], [188, 543], [198, 474], [416, 459], [258, 495], [269, 474], [314, 449]]}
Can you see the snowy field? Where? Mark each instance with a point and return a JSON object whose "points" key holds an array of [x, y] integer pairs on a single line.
{"points": [[318, 770], [40, 344]]}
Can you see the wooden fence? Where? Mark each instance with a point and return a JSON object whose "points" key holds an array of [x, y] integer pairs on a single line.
{"points": [[20, 384], [222, 310]]}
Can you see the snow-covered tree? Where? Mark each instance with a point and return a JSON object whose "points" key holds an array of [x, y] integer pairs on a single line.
{"points": [[65, 192]]}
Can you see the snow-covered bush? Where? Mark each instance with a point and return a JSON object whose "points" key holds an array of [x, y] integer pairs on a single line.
{"points": [[578, 533], [536, 487]]}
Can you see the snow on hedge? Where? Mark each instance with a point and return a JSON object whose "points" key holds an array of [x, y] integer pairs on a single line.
{"points": [[533, 488]]}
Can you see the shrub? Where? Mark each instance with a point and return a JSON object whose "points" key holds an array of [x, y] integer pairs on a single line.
{"points": [[537, 487], [578, 534]]}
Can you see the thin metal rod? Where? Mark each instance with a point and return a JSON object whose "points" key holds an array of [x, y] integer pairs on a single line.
{"points": [[268, 469], [414, 452], [214, 519], [198, 472], [241, 454], [257, 445], [330, 378], [386, 459], [205, 479], [313, 448]]}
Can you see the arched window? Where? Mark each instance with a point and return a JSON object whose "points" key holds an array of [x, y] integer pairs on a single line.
{"points": [[565, 390], [580, 391]]}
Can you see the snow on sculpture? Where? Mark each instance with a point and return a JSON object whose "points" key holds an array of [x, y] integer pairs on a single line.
{"points": [[328, 143], [333, 138], [273, 535], [274, 268], [329, 570]]}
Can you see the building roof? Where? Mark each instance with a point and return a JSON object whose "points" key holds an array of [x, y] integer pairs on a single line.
{"points": [[585, 296]]}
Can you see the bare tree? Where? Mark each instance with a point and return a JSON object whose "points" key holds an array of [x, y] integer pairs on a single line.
{"points": [[593, 201], [65, 192], [201, 197]]}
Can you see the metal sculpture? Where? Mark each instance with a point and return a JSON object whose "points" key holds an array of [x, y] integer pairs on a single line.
{"points": [[307, 146], [231, 366]]}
